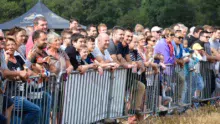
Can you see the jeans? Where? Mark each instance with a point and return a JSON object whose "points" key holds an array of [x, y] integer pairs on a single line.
{"points": [[45, 105], [197, 82], [186, 90], [31, 112]]}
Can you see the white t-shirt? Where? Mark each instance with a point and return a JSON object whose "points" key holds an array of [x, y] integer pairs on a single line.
{"points": [[96, 52]]}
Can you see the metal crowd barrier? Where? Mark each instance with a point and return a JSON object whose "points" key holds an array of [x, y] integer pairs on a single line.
{"points": [[91, 97], [174, 88], [31, 99], [151, 93], [210, 90]]}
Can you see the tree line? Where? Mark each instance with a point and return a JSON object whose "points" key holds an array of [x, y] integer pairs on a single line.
{"points": [[123, 12]]}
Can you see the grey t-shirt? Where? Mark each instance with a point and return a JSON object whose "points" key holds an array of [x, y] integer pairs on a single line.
{"points": [[112, 48], [207, 48], [214, 44], [106, 56]]}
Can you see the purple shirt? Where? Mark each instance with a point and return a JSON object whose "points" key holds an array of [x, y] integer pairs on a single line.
{"points": [[162, 48]]}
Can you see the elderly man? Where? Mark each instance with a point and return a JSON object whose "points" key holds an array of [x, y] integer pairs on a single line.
{"points": [[180, 60], [156, 33]]}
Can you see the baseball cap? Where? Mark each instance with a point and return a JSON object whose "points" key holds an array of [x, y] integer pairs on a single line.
{"points": [[197, 46], [156, 28]]}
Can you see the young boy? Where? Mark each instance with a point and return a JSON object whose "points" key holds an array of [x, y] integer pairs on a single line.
{"points": [[83, 52], [194, 66], [91, 45]]}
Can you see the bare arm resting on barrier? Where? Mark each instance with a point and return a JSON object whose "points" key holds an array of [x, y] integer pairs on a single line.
{"points": [[105, 64], [12, 74]]}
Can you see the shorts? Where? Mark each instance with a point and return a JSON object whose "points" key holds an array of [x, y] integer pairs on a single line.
{"points": [[7, 102]]}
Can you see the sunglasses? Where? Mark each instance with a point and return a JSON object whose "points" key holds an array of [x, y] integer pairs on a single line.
{"points": [[2, 38], [159, 32], [207, 37], [180, 38], [172, 35], [209, 32]]}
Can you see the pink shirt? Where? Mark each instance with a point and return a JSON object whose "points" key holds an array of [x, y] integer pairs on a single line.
{"points": [[29, 45]]}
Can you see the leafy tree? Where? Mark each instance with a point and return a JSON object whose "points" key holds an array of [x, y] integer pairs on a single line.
{"points": [[123, 12]]}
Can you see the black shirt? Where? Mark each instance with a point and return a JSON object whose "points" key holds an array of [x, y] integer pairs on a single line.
{"points": [[74, 56], [191, 40], [16, 66], [14, 87], [123, 50]]}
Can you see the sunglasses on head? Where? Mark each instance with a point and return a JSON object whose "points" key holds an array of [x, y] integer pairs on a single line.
{"points": [[209, 32]]}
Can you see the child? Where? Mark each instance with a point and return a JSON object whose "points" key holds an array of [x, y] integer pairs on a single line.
{"points": [[159, 59], [83, 52], [91, 45], [194, 66]]}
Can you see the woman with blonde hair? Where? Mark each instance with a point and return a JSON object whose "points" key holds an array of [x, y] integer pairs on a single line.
{"points": [[58, 57], [139, 29]]}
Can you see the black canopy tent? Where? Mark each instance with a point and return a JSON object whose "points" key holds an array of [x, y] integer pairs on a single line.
{"points": [[54, 21]]}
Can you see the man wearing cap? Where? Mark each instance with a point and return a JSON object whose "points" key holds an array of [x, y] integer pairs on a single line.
{"points": [[156, 32], [40, 23]]}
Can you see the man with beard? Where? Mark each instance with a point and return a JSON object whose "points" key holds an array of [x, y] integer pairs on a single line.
{"points": [[40, 59], [40, 43]]}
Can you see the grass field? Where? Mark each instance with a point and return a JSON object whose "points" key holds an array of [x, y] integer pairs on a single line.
{"points": [[204, 115]]}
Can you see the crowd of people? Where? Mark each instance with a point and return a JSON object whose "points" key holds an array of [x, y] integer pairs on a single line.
{"points": [[33, 50]]}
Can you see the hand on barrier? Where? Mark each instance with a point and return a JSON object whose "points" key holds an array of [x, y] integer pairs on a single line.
{"points": [[23, 75], [69, 70], [131, 66], [83, 70], [163, 65], [100, 70]]}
